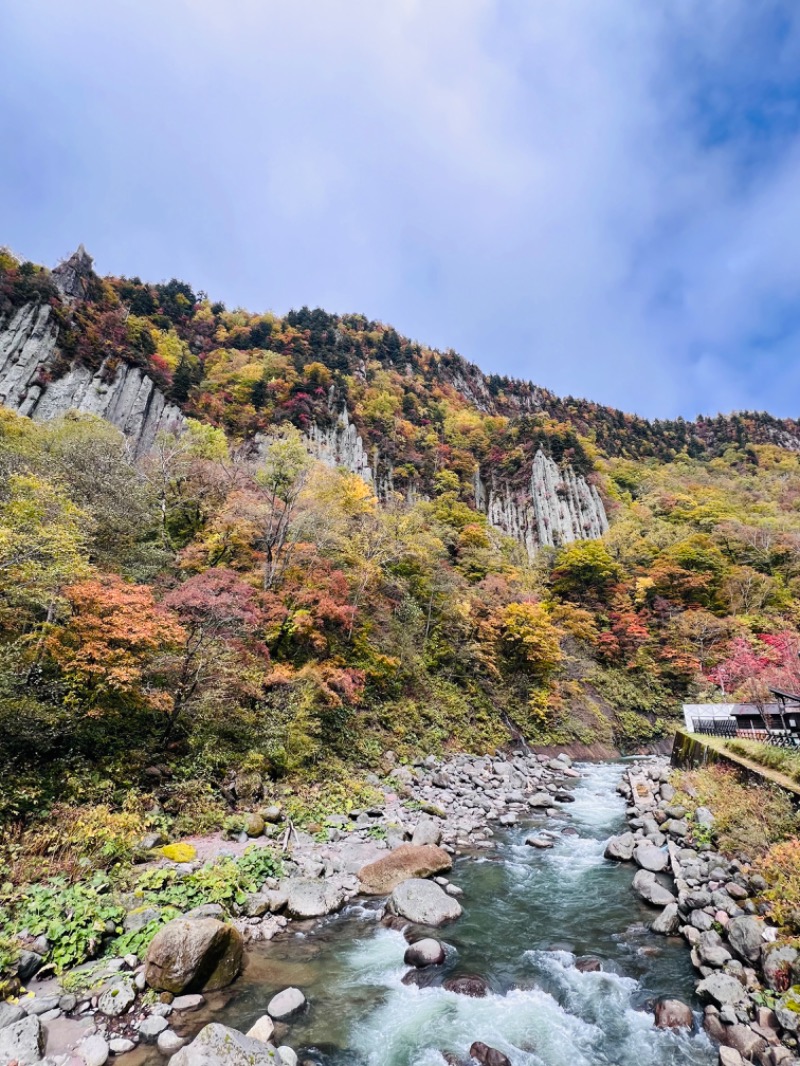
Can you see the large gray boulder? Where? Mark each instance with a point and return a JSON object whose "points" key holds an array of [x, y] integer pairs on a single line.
{"points": [[667, 923], [426, 831], [423, 902], [649, 857], [219, 1045], [116, 999], [22, 1041], [721, 989], [621, 848], [646, 886], [427, 952], [312, 897], [745, 937], [194, 956]]}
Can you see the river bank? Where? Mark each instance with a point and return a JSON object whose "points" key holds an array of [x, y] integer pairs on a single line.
{"points": [[746, 971], [454, 804]]}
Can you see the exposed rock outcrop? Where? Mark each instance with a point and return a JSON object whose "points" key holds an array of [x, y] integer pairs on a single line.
{"points": [[120, 393], [557, 507]]}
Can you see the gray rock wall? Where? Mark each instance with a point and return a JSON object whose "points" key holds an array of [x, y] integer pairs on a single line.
{"points": [[123, 395], [558, 507]]}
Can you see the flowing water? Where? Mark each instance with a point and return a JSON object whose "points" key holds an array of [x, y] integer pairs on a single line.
{"points": [[527, 915]]}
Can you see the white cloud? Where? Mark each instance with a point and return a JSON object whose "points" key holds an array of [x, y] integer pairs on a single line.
{"points": [[586, 193]]}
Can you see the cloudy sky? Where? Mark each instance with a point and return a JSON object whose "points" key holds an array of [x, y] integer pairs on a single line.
{"points": [[600, 195]]}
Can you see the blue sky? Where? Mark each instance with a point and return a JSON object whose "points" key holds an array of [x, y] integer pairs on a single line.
{"points": [[600, 195]]}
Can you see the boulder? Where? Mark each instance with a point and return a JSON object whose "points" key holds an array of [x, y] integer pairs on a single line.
{"points": [[194, 1001], [308, 897], [649, 857], [427, 952], [744, 1040], [721, 989], [711, 950], [787, 1011], [777, 965], [254, 825], [408, 861], [646, 886], [745, 937], [169, 1042], [426, 831], [423, 902], [729, 1056], [151, 1028], [488, 1056], [287, 1055], [262, 1029], [28, 964], [22, 1041], [94, 1050], [199, 955], [539, 842], [668, 922], [286, 1004], [10, 1012], [620, 848], [116, 999], [219, 1045], [467, 984], [588, 964], [673, 1014]]}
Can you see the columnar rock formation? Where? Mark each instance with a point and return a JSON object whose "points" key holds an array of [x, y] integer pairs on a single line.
{"points": [[120, 393], [556, 507]]}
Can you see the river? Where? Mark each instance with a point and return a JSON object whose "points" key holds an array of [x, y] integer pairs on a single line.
{"points": [[527, 914]]}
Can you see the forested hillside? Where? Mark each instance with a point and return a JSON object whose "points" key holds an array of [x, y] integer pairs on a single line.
{"points": [[223, 601]]}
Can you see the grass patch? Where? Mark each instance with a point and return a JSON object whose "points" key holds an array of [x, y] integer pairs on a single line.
{"points": [[785, 760]]}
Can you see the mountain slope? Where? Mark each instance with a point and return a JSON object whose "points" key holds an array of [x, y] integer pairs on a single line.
{"points": [[472, 559]]}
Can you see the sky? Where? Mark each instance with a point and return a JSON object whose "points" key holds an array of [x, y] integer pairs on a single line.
{"points": [[601, 196]]}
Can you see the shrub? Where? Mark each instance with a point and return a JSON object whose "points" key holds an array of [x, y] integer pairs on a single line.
{"points": [[780, 868], [749, 818]]}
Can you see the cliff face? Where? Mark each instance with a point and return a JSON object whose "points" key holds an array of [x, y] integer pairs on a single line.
{"points": [[120, 393], [557, 507]]}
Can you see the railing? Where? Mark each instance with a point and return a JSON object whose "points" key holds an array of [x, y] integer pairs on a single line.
{"points": [[778, 738], [715, 727]]}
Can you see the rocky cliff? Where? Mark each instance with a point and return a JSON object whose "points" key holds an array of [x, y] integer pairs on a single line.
{"points": [[557, 506], [120, 393]]}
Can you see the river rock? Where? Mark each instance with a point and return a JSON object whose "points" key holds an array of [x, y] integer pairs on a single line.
{"points": [[423, 902], [488, 1056], [28, 964], [744, 1040], [711, 950], [673, 1014], [778, 964], [668, 922], [120, 1045], [194, 956], [787, 1011], [467, 984], [94, 1050], [539, 842], [22, 1041], [649, 857], [541, 799], [308, 897], [721, 989], [10, 1012], [262, 1029], [620, 848], [194, 1001], [219, 1045], [116, 999], [426, 831], [646, 886], [745, 937], [408, 861], [427, 952], [151, 1028], [729, 1056], [287, 1055], [286, 1004], [169, 1042]]}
